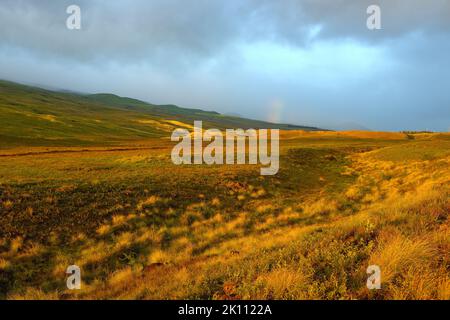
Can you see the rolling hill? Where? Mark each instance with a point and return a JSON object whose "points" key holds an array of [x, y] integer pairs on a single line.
{"points": [[32, 116]]}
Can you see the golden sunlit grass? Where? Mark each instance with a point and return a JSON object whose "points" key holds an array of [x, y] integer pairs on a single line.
{"points": [[343, 134], [141, 228]]}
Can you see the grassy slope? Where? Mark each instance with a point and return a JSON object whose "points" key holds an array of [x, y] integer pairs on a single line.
{"points": [[36, 117], [140, 227]]}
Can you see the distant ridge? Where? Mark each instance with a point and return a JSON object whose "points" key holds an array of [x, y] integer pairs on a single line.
{"points": [[42, 117]]}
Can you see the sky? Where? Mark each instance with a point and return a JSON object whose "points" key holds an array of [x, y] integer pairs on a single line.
{"points": [[306, 62]]}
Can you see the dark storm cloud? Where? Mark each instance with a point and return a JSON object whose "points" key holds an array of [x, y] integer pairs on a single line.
{"points": [[306, 61], [344, 18], [121, 30], [197, 28]]}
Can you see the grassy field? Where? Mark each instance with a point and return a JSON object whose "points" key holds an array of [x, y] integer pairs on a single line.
{"points": [[140, 227]]}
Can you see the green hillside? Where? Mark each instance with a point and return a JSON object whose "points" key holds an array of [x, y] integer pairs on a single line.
{"points": [[39, 117]]}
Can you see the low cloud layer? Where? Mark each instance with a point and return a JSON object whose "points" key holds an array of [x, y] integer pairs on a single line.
{"points": [[306, 62]]}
